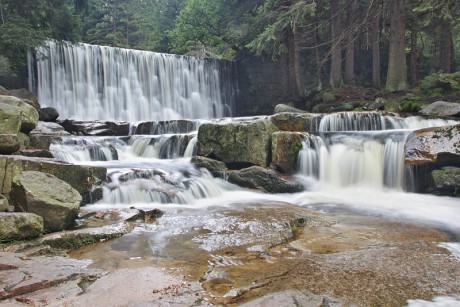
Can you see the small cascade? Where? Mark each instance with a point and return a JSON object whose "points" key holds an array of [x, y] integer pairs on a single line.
{"points": [[167, 146], [372, 121], [182, 186], [131, 85], [167, 127], [347, 159], [191, 149], [80, 149]]}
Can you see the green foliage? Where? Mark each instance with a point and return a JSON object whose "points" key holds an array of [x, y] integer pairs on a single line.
{"points": [[439, 84], [201, 29], [276, 18], [27, 23]]}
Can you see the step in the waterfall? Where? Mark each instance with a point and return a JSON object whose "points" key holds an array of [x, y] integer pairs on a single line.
{"points": [[165, 146], [179, 126]]}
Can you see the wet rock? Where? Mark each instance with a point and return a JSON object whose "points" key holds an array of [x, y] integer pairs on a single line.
{"points": [[443, 109], [237, 144], [147, 216], [439, 146], [378, 104], [166, 127], [37, 153], [29, 115], [217, 168], [45, 134], [78, 176], [29, 275], [445, 181], [4, 204], [267, 180], [279, 108], [294, 298], [10, 119], [285, 150], [49, 114], [294, 121], [96, 128], [19, 226], [24, 140], [4, 91], [47, 196], [9, 143]]}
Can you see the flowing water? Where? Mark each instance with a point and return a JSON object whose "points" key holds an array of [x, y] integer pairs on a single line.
{"points": [[350, 161], [121, 84]]}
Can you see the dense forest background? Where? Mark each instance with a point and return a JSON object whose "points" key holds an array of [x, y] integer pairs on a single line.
{"points": [[287, 49]]}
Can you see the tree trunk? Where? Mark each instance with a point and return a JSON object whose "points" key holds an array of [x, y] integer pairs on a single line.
{"points": [[336, 49], [413, 53], [298, 65], [350, 54], [445, 56], [397, 66], [376, 82]]}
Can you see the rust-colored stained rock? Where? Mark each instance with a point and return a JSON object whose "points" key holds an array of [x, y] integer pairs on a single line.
{"points": [[294, 121], [285, 150], [434, 145]]}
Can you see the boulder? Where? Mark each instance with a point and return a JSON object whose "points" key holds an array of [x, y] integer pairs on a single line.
{"points": [[101, 128], [285, 150], [78, 176], [26, 94], [37, 153], [49, 114], [279, 108], [442, 108], [4, 204], [436, 146], [9, 143], [237, 144], [266, 180], [378, 104], [294, 121], [47, 196], [24, 140], [46, 133], [4, 91], [10, 118], [19, 226], [217, 168], [445, 181], [29, 115], [164, 127]]}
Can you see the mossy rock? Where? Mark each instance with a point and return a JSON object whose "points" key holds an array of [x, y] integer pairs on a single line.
{"points": [[19, 226], [29, 115], [76, 241]]}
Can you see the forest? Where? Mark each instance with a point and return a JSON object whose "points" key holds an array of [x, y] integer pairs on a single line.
{"points": [[389, 45]]}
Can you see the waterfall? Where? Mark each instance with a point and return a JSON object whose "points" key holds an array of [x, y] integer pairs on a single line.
{"points": [[372, 121], [374, 159], [96, 82]]}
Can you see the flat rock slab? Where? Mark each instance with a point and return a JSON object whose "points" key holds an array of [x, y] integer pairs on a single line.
{"points": [[20, 275]]}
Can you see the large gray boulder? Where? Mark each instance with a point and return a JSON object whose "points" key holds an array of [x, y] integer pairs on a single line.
{"points": [[46, 133], [19, 226], [236, 144], [80, 177], [439, 146], [9, 143], [4, 91], [263, 179], [216, 168], [49, 114], [285, 150], [445, 181], [442, 108], [286, 108], [10, 118], [47, 196], [29, 115]]}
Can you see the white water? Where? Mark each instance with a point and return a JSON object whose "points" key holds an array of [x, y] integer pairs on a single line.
{"points": [[96, 82]]}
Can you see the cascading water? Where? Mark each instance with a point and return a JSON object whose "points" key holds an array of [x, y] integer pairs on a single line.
{"points": [[95, 82], [356, 149]]}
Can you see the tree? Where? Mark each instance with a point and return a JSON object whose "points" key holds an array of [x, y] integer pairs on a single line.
{"points": [[350, 48], [335, 79], [397, 67], [27, 23]]}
